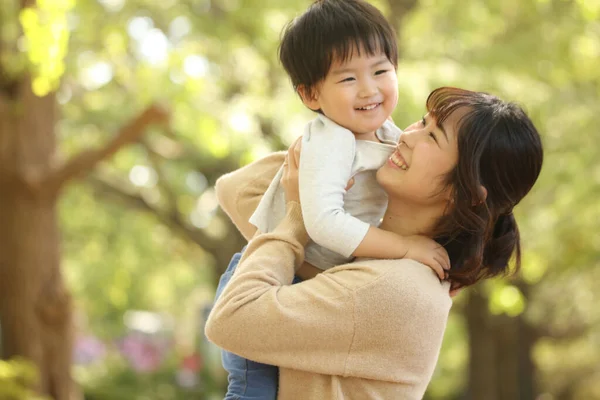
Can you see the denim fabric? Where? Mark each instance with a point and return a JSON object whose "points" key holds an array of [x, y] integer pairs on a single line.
{"points": [[248, 380]]}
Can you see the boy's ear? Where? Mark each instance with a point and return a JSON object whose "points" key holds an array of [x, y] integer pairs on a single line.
{"points": [[309, 97]]}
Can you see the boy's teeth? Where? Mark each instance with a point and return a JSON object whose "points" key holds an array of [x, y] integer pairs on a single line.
{"points": [[372, 106]]}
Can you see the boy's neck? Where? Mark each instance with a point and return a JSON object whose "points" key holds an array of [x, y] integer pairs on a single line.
{"points": [[370, 136]]}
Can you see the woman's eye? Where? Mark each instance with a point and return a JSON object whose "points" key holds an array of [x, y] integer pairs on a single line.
{"points": [[423, 121]]}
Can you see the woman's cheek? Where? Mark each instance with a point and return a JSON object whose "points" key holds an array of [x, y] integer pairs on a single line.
{"points": [[386, 179]]}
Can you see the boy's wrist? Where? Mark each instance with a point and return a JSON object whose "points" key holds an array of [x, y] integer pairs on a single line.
{"points": [[402, 245]]}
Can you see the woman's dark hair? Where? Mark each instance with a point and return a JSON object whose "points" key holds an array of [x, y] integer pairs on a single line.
{"points": [[500, 149], [333, 29]]}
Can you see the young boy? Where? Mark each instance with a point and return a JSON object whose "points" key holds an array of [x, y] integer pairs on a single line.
{"points": [[341, 56]]}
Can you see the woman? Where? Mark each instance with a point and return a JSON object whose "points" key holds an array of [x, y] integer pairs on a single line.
{"points": [[373, 328]]}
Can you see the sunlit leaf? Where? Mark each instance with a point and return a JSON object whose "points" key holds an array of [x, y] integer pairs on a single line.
{"points": [[507, 300]]}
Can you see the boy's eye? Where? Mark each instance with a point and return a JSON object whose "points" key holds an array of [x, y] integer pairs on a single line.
{"points": [[347, 80], [433, 136], [381, 71]]}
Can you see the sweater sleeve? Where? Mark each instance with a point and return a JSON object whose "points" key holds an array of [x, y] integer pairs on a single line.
{"points": [[328, 152], [262, 317], [240, 191]]}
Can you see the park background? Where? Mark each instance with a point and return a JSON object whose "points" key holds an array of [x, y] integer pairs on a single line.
{"points": [[117, 117]]}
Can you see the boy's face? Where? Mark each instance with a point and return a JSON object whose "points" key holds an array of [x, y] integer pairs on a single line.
{"points": [[359, 94]]}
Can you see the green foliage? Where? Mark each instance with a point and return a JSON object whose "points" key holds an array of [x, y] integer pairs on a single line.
{"points": [[117, 260], [17, 377], [46, 33], [115, 381], [507, 299], [215, 64]]}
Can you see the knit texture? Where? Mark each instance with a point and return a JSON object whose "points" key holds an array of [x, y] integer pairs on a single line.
{"points": [[371, 329]]}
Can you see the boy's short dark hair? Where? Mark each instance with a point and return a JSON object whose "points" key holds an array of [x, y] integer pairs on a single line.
{"points": [[333, 28]]}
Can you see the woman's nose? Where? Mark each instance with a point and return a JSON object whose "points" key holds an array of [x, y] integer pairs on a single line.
{"points": [[411, 135]]}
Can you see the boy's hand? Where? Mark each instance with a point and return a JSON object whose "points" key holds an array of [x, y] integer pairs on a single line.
{"points": [[428, 252]]}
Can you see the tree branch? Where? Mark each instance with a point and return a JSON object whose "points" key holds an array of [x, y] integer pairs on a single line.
{"points": [[191, 158], [171, 218], [28, 3], [268, 132], [85, 161], [162, 181], [399, 10]]}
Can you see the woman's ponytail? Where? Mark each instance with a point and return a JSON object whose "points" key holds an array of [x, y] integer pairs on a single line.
{"points": [[484, 251], [499, 248]]}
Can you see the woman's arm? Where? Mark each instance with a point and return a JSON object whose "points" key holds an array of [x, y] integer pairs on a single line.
{"points": [[307, 326], [328, 324], [383, 322], [240, 191]]}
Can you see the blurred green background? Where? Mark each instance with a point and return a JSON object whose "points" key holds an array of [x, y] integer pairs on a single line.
{"points": [[143, 239]]}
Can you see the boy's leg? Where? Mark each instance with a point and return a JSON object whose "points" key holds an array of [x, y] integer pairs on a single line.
{"points": [[247, 379]]}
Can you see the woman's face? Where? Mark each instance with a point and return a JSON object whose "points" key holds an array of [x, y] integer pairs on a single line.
{"points": [[426, 153]]}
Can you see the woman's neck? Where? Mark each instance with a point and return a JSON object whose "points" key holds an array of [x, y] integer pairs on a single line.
{"points": [[408, 219]]}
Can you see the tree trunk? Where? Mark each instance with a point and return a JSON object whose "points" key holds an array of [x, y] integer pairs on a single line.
{"points": [[35, 306], [500, 367]]}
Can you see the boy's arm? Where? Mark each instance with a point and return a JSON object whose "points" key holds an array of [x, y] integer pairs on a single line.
{"points": [[240, 191], [328, 152], [388, 245]]}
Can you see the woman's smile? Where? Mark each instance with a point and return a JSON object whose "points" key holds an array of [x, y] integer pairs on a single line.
{"points": [[397, 161]]}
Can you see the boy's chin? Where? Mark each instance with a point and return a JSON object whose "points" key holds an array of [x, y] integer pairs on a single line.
{"points": [[369, 128]]}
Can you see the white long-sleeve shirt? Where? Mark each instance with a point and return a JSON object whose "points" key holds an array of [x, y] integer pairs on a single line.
{"points": [[336, 221]]}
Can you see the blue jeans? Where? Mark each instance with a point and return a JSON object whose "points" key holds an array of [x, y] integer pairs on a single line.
{"points": [[248, 380]]}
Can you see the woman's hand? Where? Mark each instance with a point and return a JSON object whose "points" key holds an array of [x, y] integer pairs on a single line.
{"points": [[289, 180]]}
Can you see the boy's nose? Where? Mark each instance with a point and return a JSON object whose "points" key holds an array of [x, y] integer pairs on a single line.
{"points": [[368, 89]]}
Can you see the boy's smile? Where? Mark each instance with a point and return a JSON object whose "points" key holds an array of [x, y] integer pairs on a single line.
{"points": [[358, 94], [369, 107]]}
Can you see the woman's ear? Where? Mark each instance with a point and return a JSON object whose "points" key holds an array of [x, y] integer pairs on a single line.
{"points": [[483, 192], [309, 97]]}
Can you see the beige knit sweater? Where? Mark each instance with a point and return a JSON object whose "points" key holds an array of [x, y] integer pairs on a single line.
{"points": [[371, 329]]}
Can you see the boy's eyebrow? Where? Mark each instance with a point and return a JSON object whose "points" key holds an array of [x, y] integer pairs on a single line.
{"points": [[340, 71]]}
